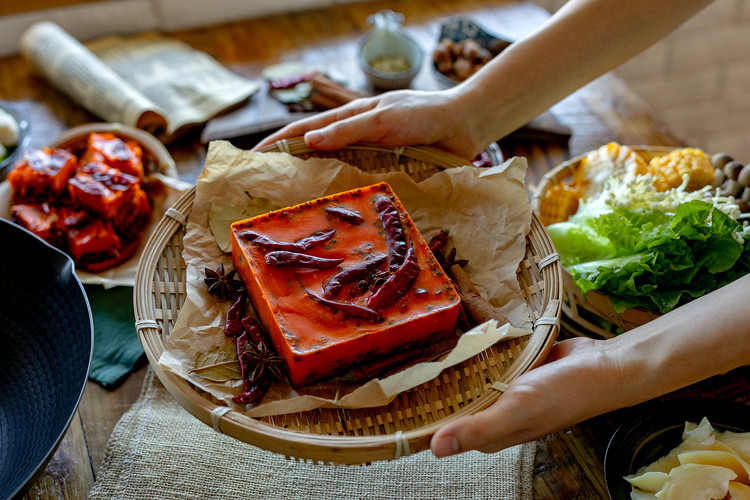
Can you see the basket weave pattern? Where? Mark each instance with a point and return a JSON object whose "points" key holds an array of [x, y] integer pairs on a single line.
{"points": [[352, 436]]}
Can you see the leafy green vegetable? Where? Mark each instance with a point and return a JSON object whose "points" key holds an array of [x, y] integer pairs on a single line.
{"points": [[647, 258]]}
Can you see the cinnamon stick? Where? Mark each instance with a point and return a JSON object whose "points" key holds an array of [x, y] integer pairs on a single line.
{"points": [[473, 304], [477, 307], [328, 94]]}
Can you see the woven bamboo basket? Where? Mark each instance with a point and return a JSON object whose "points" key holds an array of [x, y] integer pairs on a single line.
{"points": [[344, 436], [592, 315]]}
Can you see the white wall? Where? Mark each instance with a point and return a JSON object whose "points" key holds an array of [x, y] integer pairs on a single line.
{"points": [[697, 79]]}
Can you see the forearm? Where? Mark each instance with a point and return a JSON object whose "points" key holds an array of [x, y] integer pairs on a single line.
{"points": [[707, 337], [583, 40], [584, 378]]}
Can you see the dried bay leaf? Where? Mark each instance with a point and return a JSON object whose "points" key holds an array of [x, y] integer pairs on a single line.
{"points": [[220, 218], [219, 364]]}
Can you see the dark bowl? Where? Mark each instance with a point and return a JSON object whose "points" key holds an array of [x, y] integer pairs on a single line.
{"points": [[654, 429], [16, 151], [45, 354]]}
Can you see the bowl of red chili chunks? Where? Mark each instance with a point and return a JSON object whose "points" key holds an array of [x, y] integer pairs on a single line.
{"points": [[90, 193]]}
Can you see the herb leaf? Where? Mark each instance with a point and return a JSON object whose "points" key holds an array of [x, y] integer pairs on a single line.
{"points": [[219, 364]]}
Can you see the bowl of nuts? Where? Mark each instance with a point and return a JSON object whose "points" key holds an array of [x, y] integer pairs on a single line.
{"points": [[463, 49], [732, 177]]}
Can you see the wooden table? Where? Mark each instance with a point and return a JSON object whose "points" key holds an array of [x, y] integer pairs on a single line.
{"points": [[569, 462]]}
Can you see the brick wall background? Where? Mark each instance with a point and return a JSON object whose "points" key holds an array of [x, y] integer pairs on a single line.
{"points": [[697, 79]]}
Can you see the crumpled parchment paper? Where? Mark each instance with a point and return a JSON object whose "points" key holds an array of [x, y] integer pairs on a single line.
{"points": [[486, 211]]}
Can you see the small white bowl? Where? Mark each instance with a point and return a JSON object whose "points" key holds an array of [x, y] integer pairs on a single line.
{"points": [[16, 150], [388, 40]]}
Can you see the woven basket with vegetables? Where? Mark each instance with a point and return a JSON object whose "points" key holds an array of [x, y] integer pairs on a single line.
{"points": [[642, 230]]}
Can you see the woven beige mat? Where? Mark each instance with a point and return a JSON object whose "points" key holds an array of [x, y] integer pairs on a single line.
{"points": [[159, 451]]}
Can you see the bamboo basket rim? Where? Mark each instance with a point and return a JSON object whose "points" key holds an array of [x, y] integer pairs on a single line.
{"points": [[322, 447], [596, 303]]}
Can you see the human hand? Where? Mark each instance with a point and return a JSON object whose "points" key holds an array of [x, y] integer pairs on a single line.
{"points": [[398, 118], [566, 390]]}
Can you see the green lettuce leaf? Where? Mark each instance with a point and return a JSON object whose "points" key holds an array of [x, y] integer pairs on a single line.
{"points": [[650, 259]]}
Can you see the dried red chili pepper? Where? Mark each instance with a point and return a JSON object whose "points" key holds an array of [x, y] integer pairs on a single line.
{"points": [[351, 274], [438, 241], [233, 324], [350, 216], [394, 231], [301, 245], [253, 391], [253, 329], [283, 258], [259, 364], [349, 309], [240, 342], [397, 283]]}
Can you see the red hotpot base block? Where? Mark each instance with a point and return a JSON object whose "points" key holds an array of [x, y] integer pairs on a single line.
{"points": [[316, 340]]}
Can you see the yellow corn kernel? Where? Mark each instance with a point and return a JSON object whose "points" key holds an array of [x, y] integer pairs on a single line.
{"points": [[668, 170], [558, 203], [613, 159]]}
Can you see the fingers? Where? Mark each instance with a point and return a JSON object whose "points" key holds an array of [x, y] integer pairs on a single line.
{"points": [[498, 427], [339, 134], [534, 404], [321, 120]]}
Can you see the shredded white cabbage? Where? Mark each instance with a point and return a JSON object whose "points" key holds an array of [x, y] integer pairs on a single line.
{"points": [[640, 193]]}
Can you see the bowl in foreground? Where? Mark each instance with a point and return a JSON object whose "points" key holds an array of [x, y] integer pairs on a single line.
{"points": [[45, 352], [653, 429]]}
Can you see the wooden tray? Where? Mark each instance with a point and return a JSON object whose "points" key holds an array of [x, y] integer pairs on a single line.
{"points": [[340, 435]]}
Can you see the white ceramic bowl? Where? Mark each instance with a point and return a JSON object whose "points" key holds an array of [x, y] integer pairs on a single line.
{"points": [[7, 163], [387, 43]]}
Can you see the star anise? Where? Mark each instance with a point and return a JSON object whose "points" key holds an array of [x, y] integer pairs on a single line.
{"points": [[263, 361], [450, 260], [222, 284]]}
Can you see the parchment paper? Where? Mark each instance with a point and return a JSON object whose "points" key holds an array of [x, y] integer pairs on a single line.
{"points": [[486, 211], [163, 191]]}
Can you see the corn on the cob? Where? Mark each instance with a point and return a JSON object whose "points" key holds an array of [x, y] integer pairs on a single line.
{"points": [[668, 170], [613, 159], [559, 202]]}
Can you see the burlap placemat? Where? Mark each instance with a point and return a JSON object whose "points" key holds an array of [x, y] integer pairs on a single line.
{"points": [[159, 451]]}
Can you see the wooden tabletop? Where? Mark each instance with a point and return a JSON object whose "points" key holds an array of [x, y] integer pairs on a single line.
{"points": [[569, 463]]}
